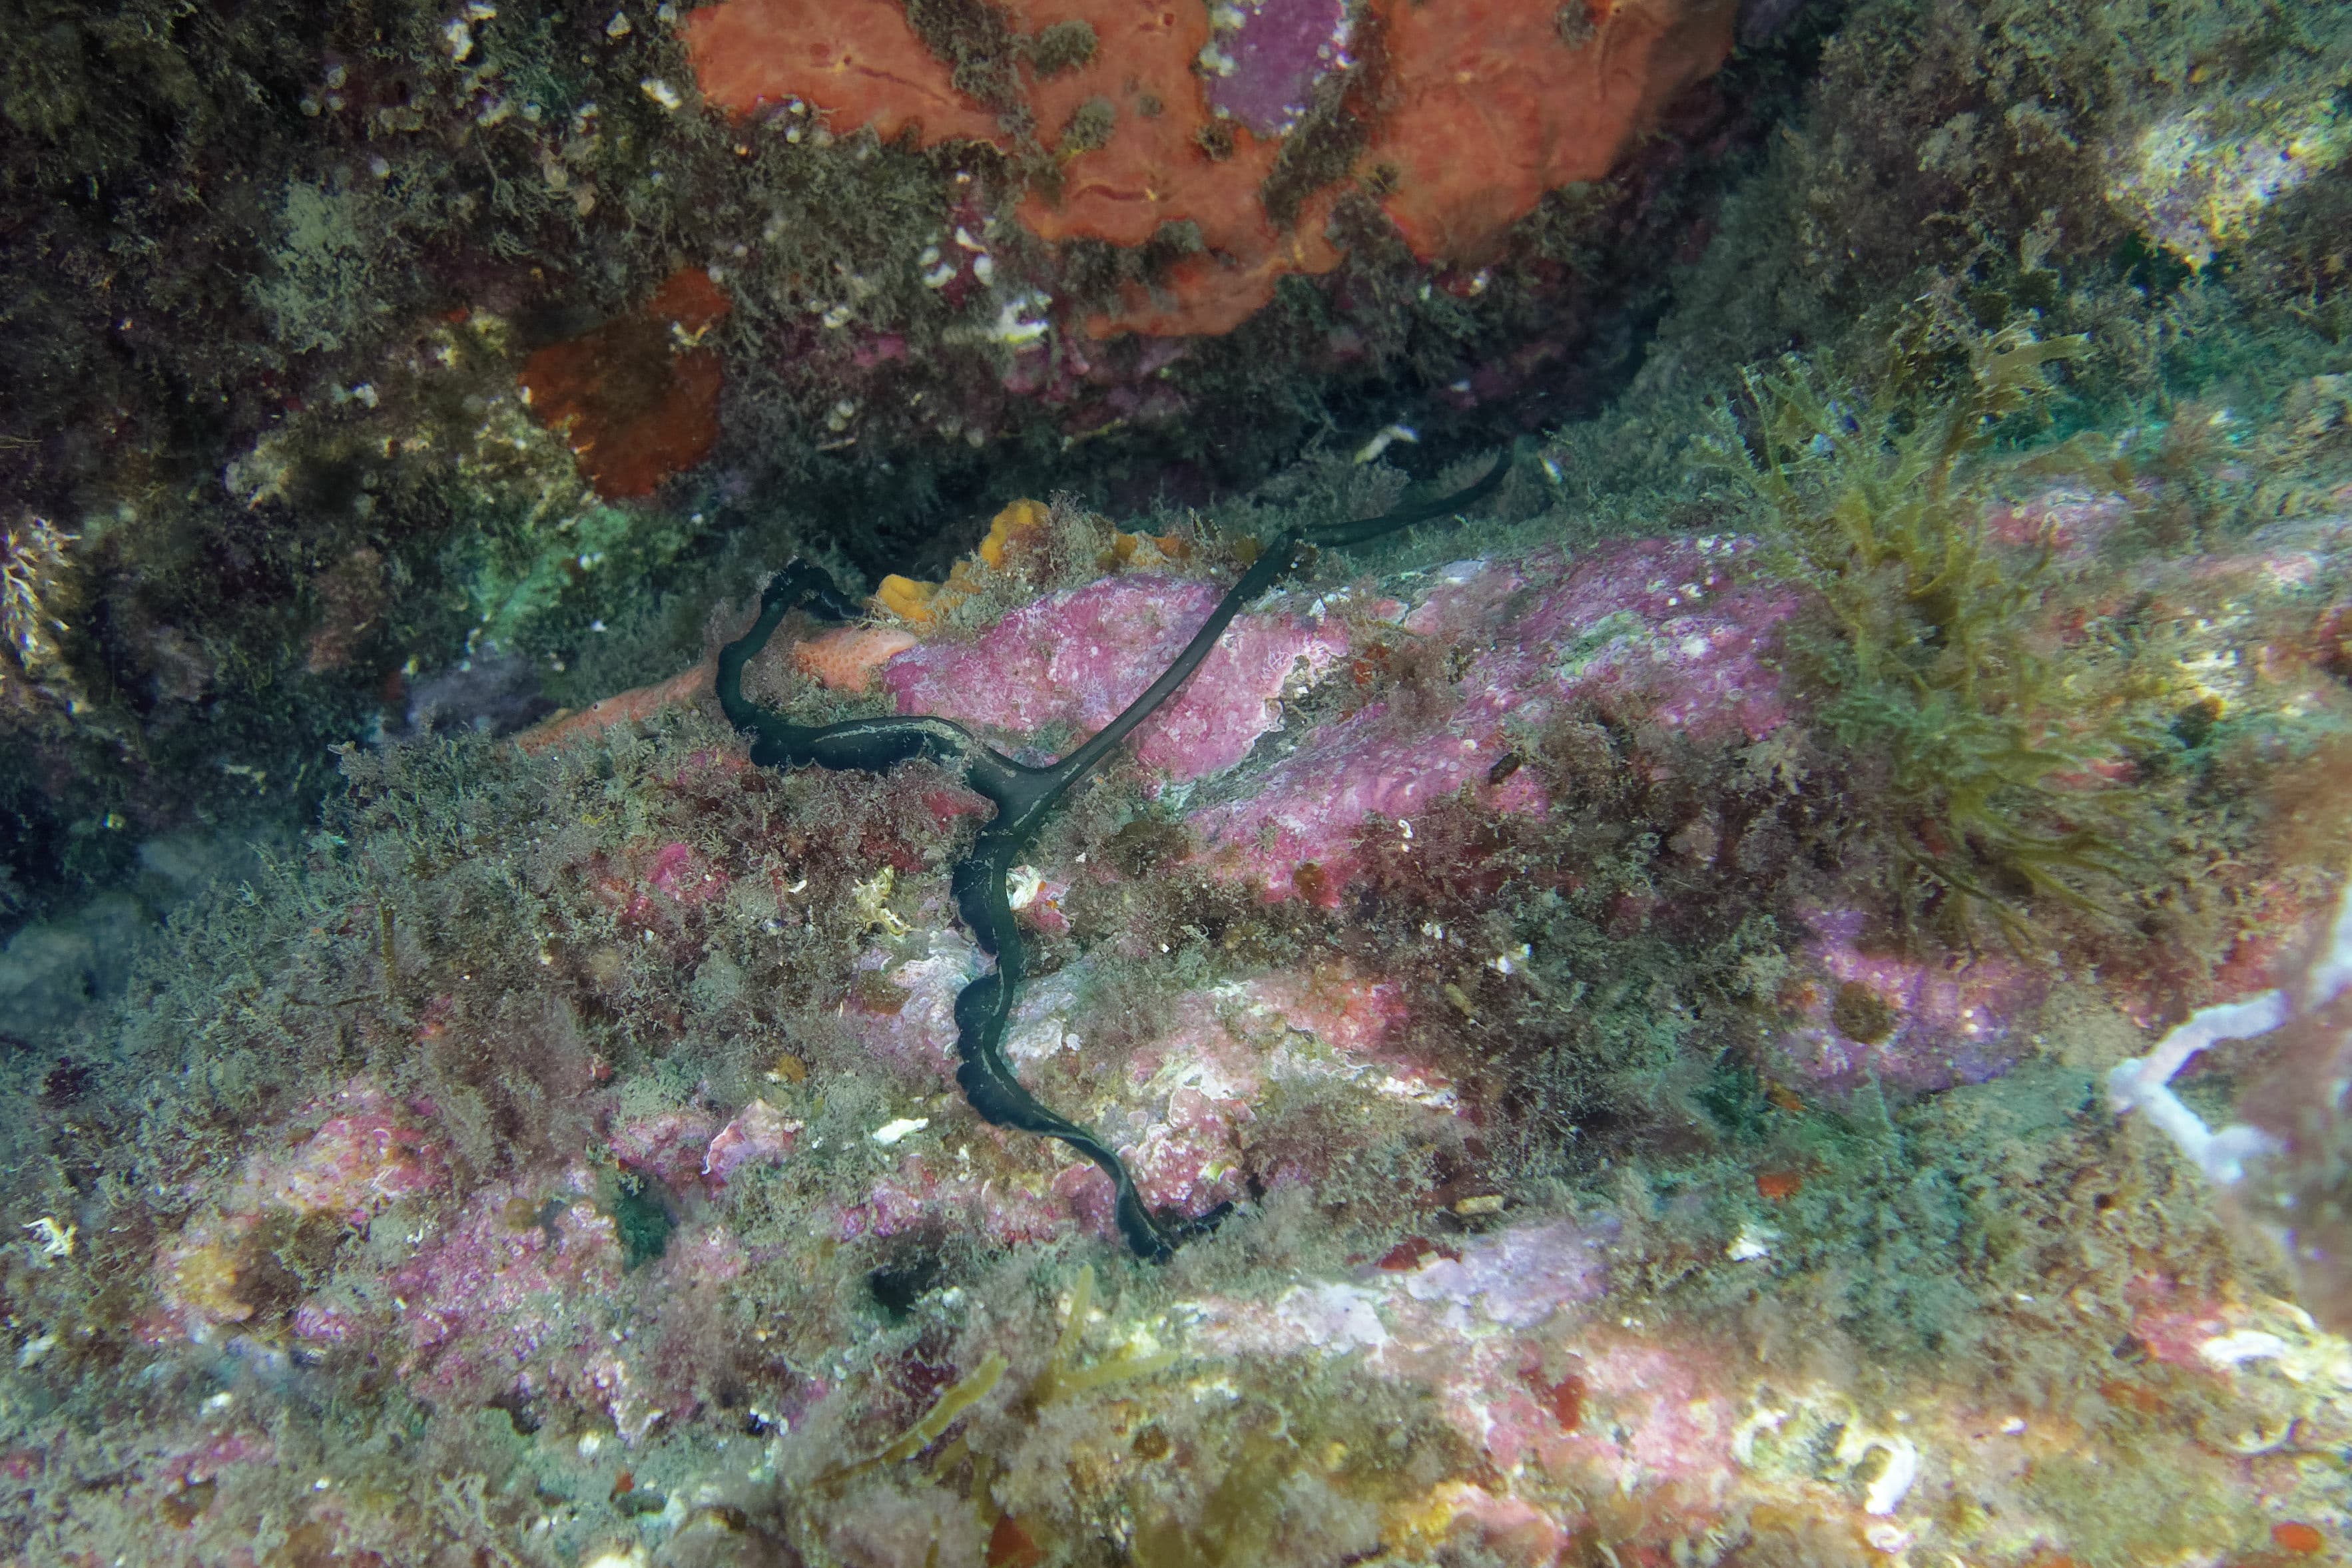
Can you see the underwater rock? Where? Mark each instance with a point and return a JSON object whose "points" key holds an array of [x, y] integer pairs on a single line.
{"points": [[1908, 1022], [494, 695], [1078, 658], [230, 1263], [1663, 635], [1523, 980]]}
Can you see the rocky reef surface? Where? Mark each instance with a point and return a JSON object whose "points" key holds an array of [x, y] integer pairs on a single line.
{"points": [[1767, 986], [563, 1160]]}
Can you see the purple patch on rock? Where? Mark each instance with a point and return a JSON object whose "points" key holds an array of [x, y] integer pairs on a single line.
{"points": [[1264, 58]]}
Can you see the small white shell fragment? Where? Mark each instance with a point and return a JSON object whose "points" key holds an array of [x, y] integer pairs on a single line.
{"points": [[1894, 1477], [661, 92], [890, 1133], [2245, 1345], [1371, 450], [1895, 1481]]}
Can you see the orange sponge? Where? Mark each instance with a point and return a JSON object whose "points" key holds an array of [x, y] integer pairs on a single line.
{"points": [[638, 396], [847, 657], [1482, 107], [1015, 528], [856, 59], [1493, 102], [1154, 164]]}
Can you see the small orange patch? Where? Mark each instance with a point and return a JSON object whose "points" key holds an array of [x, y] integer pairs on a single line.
{"points": [[640, 702], [1778, 1184], [2303, 1539], [1409, 1253], [845, 658], [1018, 525], [1143, 551], [2134, 1395], [1565, 1399], [860, 60], [909, 601], [1008, 1546]]}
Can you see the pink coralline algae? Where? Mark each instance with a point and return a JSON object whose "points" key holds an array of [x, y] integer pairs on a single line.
{"points": [[1266, 58], [1909, 1023], [1559, 1396], [649, 885], [1672, 636], [366, 1155], [678, 1148], [1193, 1085], [910, 1022], [1076, 658], [669, 1145], [1181, 1101], [369, 1154], [527, 1293], [1516, 1277], [757, 1133], [507, 1291], [1667, 634], [1475, 1330]]}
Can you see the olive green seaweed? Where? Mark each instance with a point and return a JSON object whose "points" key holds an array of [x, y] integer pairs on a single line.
{"points": [[1883, 500]]}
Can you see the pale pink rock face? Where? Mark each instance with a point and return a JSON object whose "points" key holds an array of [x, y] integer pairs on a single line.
{"points": [[682, 875], [668, 1144], [1078, 657], [1469, 1328], [1649, 1414], [1660, 633], [1192, 1087], [1515, 1277], [368, 1154], [1179, 1102], [1663, 633], [492, 1306], [917, 1031], [489, 1300], [758, 1134]]}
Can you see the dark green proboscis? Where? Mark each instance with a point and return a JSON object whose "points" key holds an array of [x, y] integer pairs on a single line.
{"points": [[1022, 796]]}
